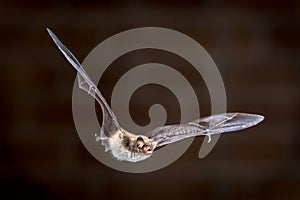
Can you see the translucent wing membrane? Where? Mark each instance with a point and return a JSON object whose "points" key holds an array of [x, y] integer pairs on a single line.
{"points": [[172, 133], [216, 124], [228, 122], [109, 124]]}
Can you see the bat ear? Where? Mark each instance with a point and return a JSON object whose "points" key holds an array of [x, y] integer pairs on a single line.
{"points": [[121, 134]]}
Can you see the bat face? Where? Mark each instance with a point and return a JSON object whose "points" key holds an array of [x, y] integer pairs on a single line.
{"points": [[126, 146], [138, 144]]}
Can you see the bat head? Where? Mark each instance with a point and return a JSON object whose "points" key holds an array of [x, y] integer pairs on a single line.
{"points": [[144, 144]]}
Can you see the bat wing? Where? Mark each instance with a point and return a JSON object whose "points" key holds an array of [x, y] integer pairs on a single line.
{"points": [[172, 133], [110, 124], [216, 124]]}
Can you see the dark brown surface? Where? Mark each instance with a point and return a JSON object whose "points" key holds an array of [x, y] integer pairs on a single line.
{"points": [[256, 46]]}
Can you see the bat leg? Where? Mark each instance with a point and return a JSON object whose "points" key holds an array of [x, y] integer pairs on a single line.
{"points": [[209, 137], [98, 138]]}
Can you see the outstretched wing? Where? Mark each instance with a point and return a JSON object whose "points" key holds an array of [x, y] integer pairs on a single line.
{"points": [[109, 124], [216, 124], [172, 133]]}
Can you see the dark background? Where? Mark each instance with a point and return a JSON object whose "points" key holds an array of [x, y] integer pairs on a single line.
{"points": [[255, 44]]}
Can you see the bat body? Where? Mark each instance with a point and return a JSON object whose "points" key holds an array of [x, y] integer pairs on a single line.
{"points": [[126, 146]]}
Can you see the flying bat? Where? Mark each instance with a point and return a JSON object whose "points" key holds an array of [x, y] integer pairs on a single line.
{"points": [[127, 146]]}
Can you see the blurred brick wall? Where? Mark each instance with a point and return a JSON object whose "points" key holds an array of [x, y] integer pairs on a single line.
{"points": [[256, 46]]}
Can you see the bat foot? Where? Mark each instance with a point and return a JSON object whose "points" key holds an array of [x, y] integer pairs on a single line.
{"points": [[209, 137], [98, 137]]}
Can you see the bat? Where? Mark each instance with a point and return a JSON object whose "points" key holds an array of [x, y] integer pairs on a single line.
{"points": [[127, 146]]}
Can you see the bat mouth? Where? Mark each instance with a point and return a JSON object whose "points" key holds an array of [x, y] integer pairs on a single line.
{"points": [[147, 149]]}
